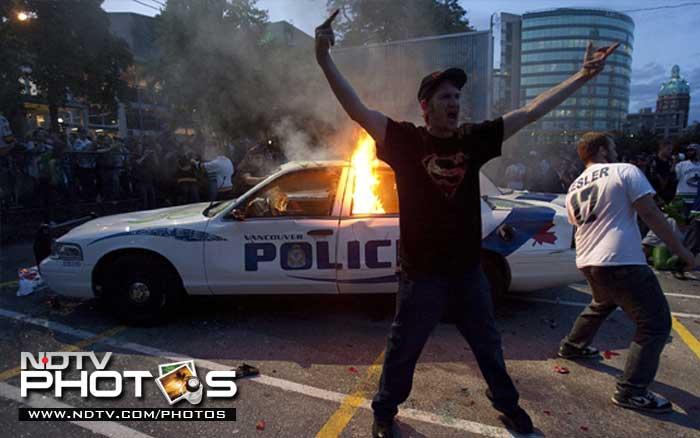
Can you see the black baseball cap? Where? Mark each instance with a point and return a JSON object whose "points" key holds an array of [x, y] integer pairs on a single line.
{"points": [[429, 83]]}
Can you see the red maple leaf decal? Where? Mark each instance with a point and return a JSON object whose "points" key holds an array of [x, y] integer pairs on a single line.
{"points": [[543, 235]]}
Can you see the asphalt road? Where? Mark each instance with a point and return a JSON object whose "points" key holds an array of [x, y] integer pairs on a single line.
{"points": [[320, 359]]}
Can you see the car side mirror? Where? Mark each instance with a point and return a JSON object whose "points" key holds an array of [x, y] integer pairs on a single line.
{"points": [[237, 214]]}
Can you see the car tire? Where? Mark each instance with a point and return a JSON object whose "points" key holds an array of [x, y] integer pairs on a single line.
{"points": [[141, 289], [497, 274]]}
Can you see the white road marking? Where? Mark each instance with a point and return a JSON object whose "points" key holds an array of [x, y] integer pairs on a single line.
{"points": [[581, 304], [106, 428], [668, 294], [695, 297], [299, 388]]}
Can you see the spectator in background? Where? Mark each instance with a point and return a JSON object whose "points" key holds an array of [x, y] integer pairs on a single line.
{"points": [[515, 176], [688, 174], [640, 160], [254, 168], [169, 151], [106, 173], [85, 165], [144, 167], [220, 170], [186, 177], [45, 192], [57, 177], [661, 173], [547, 179], [565, 172]]}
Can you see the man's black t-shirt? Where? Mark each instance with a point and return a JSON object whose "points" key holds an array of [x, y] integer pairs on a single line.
{"points": [[662, 178], [438, 185]]}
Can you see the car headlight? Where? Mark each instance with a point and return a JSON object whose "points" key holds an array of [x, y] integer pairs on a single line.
{"points": [[66, 251]]}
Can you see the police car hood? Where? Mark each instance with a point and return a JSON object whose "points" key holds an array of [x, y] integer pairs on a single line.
{"points": [[171, 217], [538, 198], [488, 188]]}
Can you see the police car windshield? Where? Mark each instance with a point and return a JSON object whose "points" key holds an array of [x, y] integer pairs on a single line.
{"points": [[216, 208], [488, 188]]}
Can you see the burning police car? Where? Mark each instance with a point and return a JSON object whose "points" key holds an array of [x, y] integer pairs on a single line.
{"points": [[325, 227]]}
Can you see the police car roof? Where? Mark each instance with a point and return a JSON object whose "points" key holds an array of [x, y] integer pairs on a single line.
{"points": [[303, 164]]}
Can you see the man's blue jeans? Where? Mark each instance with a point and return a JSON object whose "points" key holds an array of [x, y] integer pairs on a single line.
{"points": [[636, 289], [420, 303]]}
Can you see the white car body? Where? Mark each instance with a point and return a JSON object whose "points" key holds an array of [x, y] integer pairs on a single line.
{"points": [[322, 254]]}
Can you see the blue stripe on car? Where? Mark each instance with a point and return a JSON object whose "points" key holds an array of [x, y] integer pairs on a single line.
{"points": [[371, 280], [525, 223], [182, 234]]}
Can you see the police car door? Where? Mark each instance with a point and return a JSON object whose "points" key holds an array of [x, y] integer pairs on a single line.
{"points": [[281, 238], [368, 241]]}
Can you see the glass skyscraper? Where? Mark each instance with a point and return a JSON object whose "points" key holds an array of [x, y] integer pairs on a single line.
{"points": [[553, 46]]}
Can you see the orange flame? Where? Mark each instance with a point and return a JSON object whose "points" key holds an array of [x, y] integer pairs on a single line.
{"points": [[364, 163]]}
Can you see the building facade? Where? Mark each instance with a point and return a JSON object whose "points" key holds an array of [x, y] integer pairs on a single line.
{"points": [[553, 46], [672, 107], [511, 32], [387, 75], [674, 96]]}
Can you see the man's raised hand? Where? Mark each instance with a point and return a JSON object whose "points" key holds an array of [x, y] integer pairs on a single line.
{"points": [[594, 62], [324, 35]]}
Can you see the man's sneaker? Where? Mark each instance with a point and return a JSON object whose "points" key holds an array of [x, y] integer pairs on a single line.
{"points": [[648, 402], [568, 352], [383, 428], [519, 421]]}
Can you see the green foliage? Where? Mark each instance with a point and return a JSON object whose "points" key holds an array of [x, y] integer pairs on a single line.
{"points": [[692, 135], [219, 67], [644, 142], [201, 46], [67, 49], [377, 21]]}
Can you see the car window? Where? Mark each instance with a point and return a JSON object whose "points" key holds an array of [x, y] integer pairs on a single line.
{"points": [[487, 186], [386, 193], [308, 192]]}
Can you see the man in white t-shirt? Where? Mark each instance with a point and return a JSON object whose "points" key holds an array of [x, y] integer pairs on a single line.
{"points": [[603, 203], [688, 174], [221, 168]]}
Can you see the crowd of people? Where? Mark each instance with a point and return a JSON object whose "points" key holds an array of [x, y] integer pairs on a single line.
{"points": [[673, 175], [45, 169]]}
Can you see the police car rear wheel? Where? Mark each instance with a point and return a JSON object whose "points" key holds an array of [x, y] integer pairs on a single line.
{"points": [[141, 289]]}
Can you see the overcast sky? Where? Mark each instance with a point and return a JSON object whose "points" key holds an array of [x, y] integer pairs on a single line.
{"points": [[662, 38]]}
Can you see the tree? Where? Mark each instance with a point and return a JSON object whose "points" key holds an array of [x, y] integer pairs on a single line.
{"points": [[71, 52], [377, 21], [643, 142], [220, 67], [12, 52], [208, 62]]}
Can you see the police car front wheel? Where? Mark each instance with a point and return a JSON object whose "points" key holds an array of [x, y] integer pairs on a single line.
{"points": [[141, 288]]}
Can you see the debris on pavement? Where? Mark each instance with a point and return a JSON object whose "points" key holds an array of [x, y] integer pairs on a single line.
{"points": [[245, 370], [54, 302], [352, 369], [561, 370], [584, 428], [30, 281], [609, 354], [260, 425]]}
